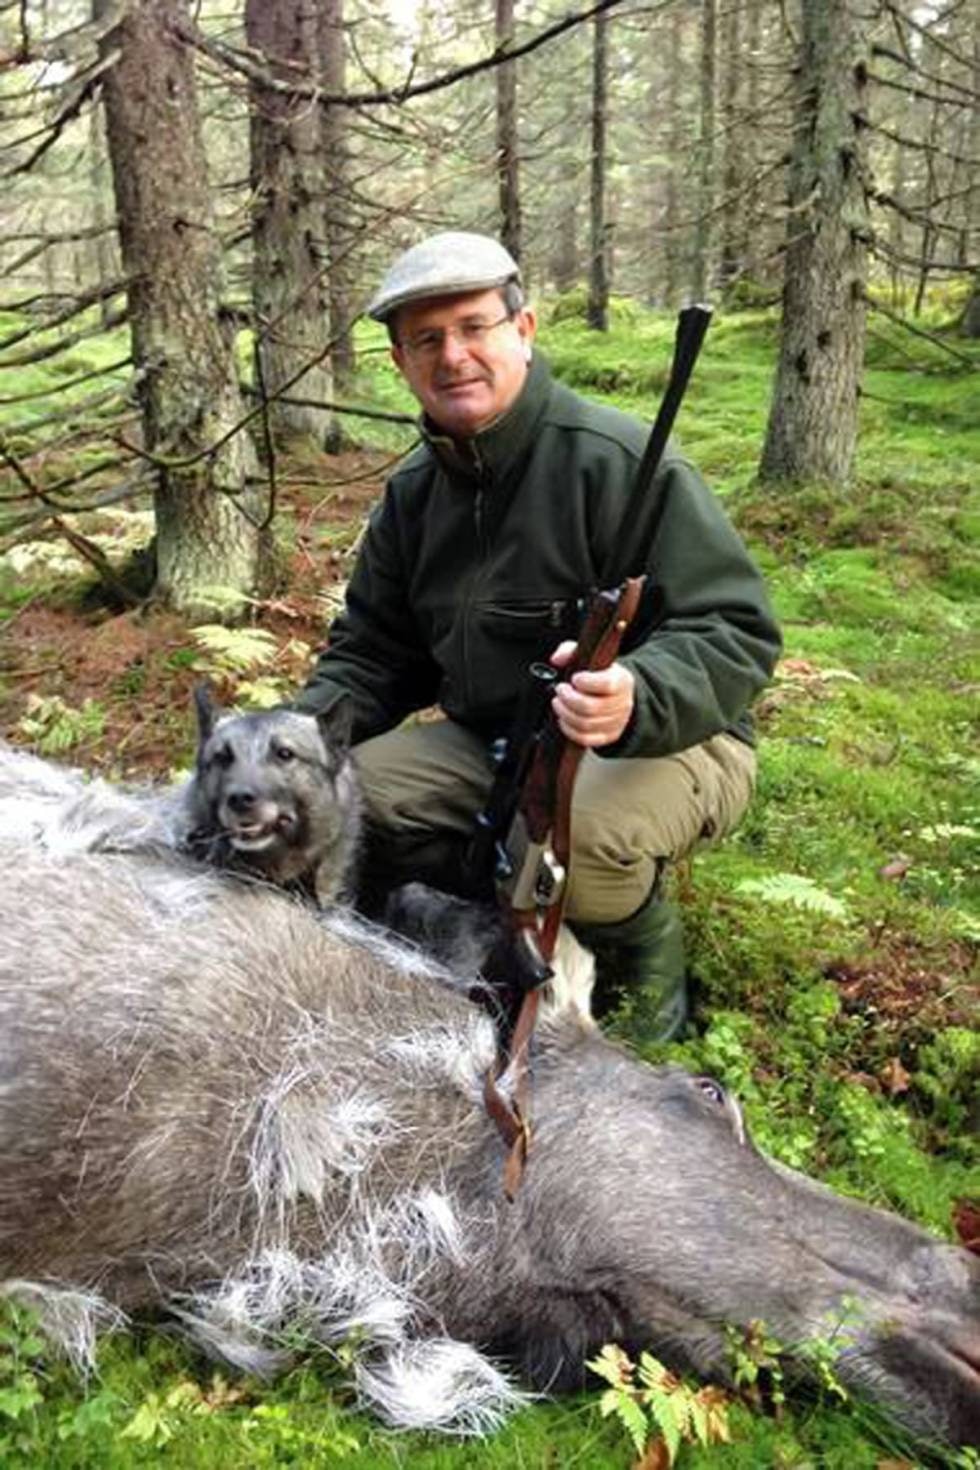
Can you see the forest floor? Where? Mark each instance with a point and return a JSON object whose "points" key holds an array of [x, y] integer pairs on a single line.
{"points": [[833, 937], [140, 666]]}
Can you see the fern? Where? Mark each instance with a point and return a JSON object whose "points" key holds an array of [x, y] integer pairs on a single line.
{"points": [[55, 727], [793, 888], [233, 650], [651, 1398]]}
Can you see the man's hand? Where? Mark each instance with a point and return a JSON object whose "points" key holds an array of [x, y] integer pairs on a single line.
{"points": [[594, 708]]}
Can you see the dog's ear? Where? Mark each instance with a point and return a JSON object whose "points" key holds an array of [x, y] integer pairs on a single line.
{"points": [[206, 710], [336, 724]]}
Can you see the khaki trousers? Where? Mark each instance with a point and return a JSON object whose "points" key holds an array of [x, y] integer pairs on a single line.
{"points": [[425, 782]]}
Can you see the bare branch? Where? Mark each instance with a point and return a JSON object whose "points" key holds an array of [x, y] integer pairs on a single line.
{"points": [[920, 92], [900, 321], [918, 144], [940, 81], [240, 61], [64, 383], [66, 112], [79, 304], [51, 349]]}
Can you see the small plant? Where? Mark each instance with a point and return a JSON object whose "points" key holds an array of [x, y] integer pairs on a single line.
{"points": [[756, 1365], [54, 726], [278, 1436], [160, 1416], [649, 1400], [263, 693], [794, 889], [232, 650], [20, 1383]]}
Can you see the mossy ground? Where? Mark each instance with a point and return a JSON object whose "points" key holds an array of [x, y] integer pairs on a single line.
{"points": [[833, 937]]}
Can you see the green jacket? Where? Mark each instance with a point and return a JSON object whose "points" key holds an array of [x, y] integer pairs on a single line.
{"points": [[477, 560]]}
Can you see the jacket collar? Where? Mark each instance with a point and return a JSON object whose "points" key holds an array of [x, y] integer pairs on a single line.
{"points": [[490, 455]]}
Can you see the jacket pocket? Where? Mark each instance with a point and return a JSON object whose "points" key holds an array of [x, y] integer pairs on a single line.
{"points": [[530, 619]]}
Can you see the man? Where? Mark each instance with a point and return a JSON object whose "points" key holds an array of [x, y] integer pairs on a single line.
{"points": [[489, 537]]}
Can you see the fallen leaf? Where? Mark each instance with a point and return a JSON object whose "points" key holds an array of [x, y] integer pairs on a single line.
{"points": [[790, 667], [656, 1456], [966, 1223], [894, 1078]]}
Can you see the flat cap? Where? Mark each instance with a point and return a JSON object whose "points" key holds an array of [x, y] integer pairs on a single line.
{"points": [[455, 260]]}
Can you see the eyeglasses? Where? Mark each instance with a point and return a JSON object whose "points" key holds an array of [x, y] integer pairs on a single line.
{"points": [[427, 346]]}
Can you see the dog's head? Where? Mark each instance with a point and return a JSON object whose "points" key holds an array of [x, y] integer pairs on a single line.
{"points": [[272, 787]]}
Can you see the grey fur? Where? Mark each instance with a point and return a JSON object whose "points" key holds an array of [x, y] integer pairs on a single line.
{"points": [[223, 1106], [273, 796]]}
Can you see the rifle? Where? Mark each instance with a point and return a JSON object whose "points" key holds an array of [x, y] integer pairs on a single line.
{"points": [[522, 834]]}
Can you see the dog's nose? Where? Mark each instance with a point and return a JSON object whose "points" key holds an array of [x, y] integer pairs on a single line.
{"points": [[241, 799]]}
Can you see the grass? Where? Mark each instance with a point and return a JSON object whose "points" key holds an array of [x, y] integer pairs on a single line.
{"points": [[833, 936]]}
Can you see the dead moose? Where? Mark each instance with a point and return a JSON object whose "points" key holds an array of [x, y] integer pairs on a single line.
{"points": [[215, 1102]]}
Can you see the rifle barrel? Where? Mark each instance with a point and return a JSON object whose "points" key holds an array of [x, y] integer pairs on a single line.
{"points": [[639, 522]]}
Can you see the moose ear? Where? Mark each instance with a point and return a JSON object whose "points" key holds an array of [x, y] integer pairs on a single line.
{"points": [[337, 723], [207, 711]]}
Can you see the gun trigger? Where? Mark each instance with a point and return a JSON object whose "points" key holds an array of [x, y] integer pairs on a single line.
{"points": [[548, 880]]}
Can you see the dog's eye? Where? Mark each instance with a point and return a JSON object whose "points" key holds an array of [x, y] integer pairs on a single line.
{"points": [[283, 753], [222, 756]]}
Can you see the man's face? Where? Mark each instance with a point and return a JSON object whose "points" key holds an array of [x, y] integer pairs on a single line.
{"points": [[463, 357]]}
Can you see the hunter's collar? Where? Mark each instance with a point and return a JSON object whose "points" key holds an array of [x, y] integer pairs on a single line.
{"points": [[488, 455]]}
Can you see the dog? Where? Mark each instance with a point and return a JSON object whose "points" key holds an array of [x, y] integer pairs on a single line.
{"points": [[274, 795]]}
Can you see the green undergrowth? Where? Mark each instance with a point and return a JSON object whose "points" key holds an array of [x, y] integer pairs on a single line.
{"points": [[151, 1403], [833, 936]]}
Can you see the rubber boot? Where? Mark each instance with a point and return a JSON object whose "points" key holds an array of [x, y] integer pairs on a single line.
{"points": [[640, 970]]}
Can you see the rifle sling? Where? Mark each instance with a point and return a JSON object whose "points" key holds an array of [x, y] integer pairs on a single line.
{"points": [[513, 1118]]}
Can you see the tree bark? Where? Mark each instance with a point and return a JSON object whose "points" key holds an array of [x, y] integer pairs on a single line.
{"points": [[706, 152], [730, 264], [290, 293], [508, 175], [205, 523], [752, 263], [970, 322], [674, 251], [812, 430], [563, 256], [597, 312], [338, 229]]}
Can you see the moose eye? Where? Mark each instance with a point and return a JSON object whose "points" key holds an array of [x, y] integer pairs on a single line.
{"points": [[711, 1089], [283, 752]]}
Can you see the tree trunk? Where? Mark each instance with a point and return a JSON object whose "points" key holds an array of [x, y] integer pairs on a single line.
{"points": [[338, 228], [706, 152], [674, 261], [206, 534], [507, 143], [105, 267], [970, 321], [597, 313], [752, 263], [563, 257], [289, 275], [730, 265], [812, 430]]}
